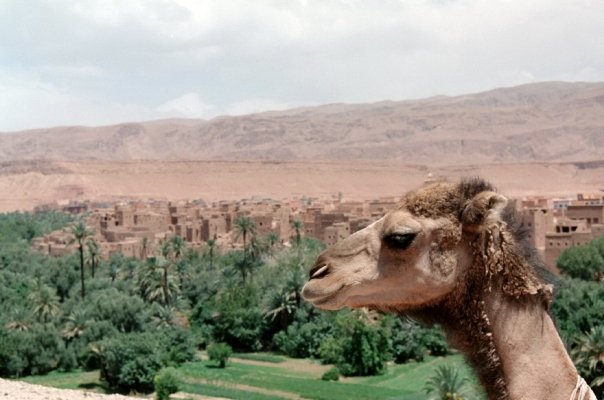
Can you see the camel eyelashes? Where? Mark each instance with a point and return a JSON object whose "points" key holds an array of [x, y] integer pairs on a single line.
{"points": [[399, 241]]}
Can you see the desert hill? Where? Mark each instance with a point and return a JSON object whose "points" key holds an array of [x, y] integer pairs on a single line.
{"points": [[549, 122]]}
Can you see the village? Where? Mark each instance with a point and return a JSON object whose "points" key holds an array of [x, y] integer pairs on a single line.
{"points": [[136, 228]]}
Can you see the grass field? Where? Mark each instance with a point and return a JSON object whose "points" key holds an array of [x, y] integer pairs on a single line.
{"points": [[269, 377]]}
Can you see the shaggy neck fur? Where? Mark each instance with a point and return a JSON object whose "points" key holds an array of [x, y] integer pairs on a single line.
{"points": [[497, 317]]}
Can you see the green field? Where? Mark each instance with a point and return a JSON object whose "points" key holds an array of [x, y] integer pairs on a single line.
{"points": [[268, 377]]}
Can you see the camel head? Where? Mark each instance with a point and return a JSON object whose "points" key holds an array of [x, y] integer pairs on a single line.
{"points": [[413, 256]]}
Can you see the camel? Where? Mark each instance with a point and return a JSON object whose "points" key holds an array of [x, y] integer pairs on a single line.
{"points": [[453, 254]]}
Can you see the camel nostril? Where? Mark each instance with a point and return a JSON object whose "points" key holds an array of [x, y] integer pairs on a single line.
{"points": [[319, 271]]}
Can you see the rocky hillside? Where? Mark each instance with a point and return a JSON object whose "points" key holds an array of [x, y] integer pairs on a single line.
{"points": [[550, 121]]}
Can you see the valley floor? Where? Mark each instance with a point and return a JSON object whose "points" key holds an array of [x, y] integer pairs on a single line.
{"points": [[269, 377]]}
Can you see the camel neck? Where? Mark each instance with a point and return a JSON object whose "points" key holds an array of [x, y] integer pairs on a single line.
{"points": [[533, 358]]}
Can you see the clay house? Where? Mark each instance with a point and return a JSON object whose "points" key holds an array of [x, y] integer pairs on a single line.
{"points": [[377, 208], [75, 208], [57, 243], [217, 225], [534, 202], [567, 233], [356, 208], [537, 222], [591, 213], [336, 232], [324, 220], [263, 222], [560, 206], [310, 218]]}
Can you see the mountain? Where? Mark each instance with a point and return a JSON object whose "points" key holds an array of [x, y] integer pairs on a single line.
{"points": [[549, 122]]}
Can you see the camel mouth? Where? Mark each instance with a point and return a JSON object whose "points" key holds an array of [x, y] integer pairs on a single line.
{"points": [[322, 299]]}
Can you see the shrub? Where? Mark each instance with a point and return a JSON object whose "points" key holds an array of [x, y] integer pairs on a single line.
{"points": [[577, 308], [407, 343], [68, 361], [583, 262], [330, 350], [239, 320], [127, 313], [333, 374], [303, 340], [130, 361], [220, 353], [166, 383], [38, 350], [434, 340], [357, 347], [178, 346]]}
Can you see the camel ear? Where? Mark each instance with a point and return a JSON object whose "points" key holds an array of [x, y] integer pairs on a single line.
{"points": [[483, 210]]}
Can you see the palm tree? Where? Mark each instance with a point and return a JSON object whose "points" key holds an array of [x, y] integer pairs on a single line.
{"points": [[244, 226], [177, 245], [144, 247], [257, 248], [272, 239], [281, 304], [19, 320], [113, 271], [589, 357], [157, 282], [80, 232], [77, 323], [163, 317], [165, 249], [298, 225], [446, 384], [211, 249], [45, 302], [94, 252], [130, 267]]}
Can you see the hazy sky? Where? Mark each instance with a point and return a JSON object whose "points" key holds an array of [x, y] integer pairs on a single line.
{"points": [[67, 62]]}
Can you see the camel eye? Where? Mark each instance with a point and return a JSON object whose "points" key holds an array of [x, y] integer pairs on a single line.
{"points": [[400, 241]]}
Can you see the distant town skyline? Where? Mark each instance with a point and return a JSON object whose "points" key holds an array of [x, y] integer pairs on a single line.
{"points": [[97, 62]]}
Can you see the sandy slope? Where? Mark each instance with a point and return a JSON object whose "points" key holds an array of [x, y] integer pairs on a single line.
{"points": [[25, 185]]}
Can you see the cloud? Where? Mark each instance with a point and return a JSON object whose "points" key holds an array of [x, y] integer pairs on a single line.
{"points": [[27, 102], [189, 105], [141, 58]]}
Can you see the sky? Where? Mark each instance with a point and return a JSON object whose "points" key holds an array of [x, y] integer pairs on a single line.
{"points": [[98, 62]]}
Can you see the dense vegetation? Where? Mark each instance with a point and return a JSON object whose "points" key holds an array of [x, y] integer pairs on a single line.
{"points": [[131, 319], [584, 262], [579, 309]]}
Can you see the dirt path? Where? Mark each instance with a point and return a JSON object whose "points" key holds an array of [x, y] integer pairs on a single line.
{"points": [[185, 395], [26, 391], [239, 386], [289, 364]]}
